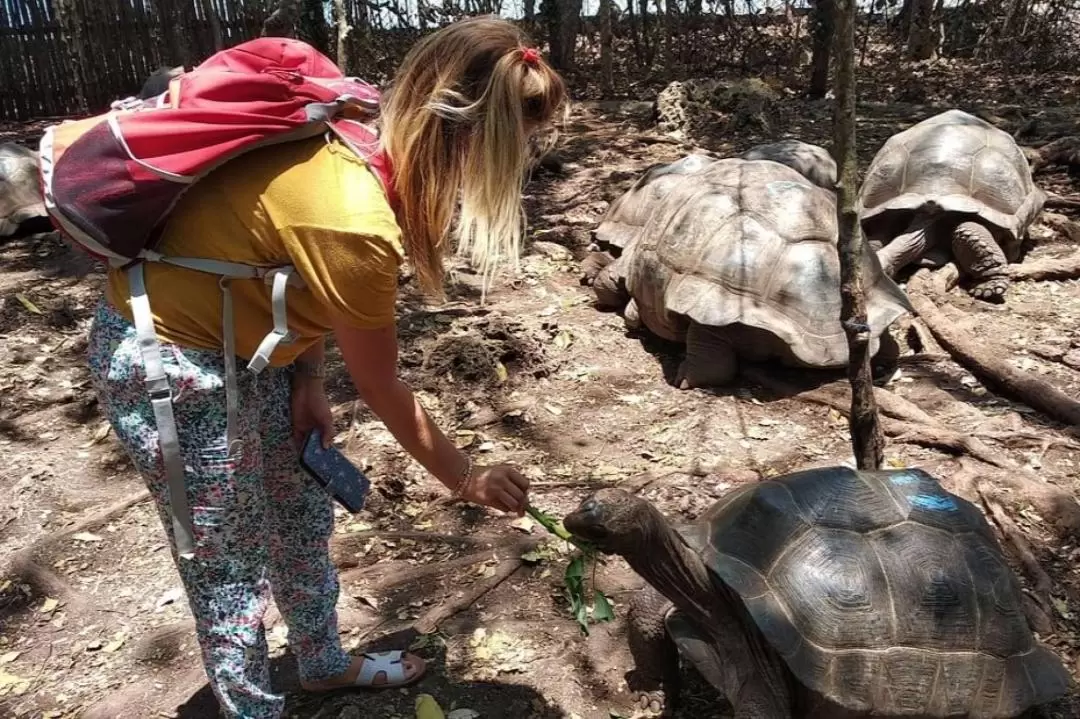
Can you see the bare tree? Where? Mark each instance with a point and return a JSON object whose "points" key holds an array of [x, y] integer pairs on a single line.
{"points": [[866, 437], [563, 20], [923, 42], [821, 32], [607, 79], [283, 20]]}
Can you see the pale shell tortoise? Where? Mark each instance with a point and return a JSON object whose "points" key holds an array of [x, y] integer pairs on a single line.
{"points": [[828, 593], [736, 258], [952, 186], [21, 203]]}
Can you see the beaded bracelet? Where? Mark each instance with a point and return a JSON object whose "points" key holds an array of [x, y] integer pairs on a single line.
{"points": [[466, 479]]}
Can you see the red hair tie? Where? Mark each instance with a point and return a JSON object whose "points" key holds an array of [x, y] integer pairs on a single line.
{"points": [[530, 56]]}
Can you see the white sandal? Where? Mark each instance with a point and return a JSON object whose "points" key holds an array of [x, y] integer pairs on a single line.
{"points": [[390, 664]]}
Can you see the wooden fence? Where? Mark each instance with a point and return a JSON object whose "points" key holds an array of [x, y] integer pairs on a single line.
{"points": [[62, 57]]}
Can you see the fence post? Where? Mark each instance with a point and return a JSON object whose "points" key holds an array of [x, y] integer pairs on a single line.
{"points": [[74, 49]]}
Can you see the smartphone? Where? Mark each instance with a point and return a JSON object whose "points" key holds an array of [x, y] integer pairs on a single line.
{"points": [[333, 472]]}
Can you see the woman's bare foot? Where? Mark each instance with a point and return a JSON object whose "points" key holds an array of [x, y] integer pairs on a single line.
{"points": [[373, 670]]}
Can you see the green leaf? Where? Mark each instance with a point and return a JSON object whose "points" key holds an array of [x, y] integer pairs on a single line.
{"points": [[602, 609]]}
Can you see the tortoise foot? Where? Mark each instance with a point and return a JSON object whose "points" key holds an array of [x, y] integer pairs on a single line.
{"points": [[654, 703], [992, 290]]}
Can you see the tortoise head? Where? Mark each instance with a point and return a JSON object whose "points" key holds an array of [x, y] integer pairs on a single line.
{"points": [[614, 520]]}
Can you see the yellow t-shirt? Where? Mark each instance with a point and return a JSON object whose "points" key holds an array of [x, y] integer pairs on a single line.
{"points": [[312, 204]]}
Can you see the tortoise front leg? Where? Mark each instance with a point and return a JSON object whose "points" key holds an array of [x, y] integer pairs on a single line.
{"points": [[903, 250], [979, 256], [711, 360], [655, 678], [738, 662], [604, 273]]}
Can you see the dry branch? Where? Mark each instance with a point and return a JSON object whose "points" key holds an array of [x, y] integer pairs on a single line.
{"points": [[868, 443], [981, 358], [1050, 268]]}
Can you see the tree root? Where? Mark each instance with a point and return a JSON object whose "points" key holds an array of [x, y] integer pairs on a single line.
{"points": [[25, 566], [1055, 505], [386, 575], [904, 422], [1070, 202], [163, 644], [1049, 268], [1062, 151], [981, 358], [1040, 580], [431, 619]]}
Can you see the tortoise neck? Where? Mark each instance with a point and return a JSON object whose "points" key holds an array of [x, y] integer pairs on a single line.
{"points": [[667, 563]]}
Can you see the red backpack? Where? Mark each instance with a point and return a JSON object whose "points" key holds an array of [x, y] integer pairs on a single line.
{"points": [[110, 181]]}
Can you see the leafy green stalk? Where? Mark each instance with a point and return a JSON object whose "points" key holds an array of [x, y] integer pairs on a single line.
{"points": [[574, 579]]}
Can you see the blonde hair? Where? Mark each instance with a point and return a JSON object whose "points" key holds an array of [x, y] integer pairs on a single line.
{"points": [[456, 124]]}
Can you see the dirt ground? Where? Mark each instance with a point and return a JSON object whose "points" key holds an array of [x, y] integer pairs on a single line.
{"points": [[92, 620]]}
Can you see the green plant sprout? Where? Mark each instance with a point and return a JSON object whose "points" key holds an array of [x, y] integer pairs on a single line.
{"points": [[574, 579]]}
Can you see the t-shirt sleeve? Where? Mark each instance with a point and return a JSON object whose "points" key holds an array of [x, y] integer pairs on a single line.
{"points": [[352, 272]]}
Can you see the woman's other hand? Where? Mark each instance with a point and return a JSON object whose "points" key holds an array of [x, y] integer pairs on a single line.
{"points": [[499, 487], [311, 410]]}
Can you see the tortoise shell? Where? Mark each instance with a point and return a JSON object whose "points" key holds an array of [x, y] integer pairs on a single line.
{"points": [[883, 592], [961, 163], [811, 161], [751, 242], [20, 187], [628, 213]]}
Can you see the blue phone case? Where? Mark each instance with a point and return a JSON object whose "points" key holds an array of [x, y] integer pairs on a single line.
{"points": [[334, 473]]}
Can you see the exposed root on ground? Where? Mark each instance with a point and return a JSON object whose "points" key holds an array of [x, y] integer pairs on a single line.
{"points": [[25, 565], [904, 422], [1048, 268], [981, 356], [430, 620]]}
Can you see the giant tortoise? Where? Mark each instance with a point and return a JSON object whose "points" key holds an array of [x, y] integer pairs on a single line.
{"points": [[828, 593], [20, 189], [737, 258], [951, 185], [812, 161]]}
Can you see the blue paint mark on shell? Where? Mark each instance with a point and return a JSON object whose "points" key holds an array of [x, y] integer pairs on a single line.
{"points": [[933, 502], [903, 478]]}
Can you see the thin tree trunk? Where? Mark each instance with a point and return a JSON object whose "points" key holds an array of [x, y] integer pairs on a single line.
{"points": [[822, 22], [607, 73], [342, 36], [215, 25], [866, 437], [75, 49], [922, 41], [283, 20]]}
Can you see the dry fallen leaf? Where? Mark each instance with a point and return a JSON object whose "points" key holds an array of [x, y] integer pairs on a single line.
{"points": [[11, 684], [49, 606], [86, 537], [168, 598], [9, 657], [117, 642], [30, 306], [524, 523], [463, 713], [99, 435]]}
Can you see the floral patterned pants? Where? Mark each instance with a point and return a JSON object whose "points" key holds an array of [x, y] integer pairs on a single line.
{"points": [[260, 523]]}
